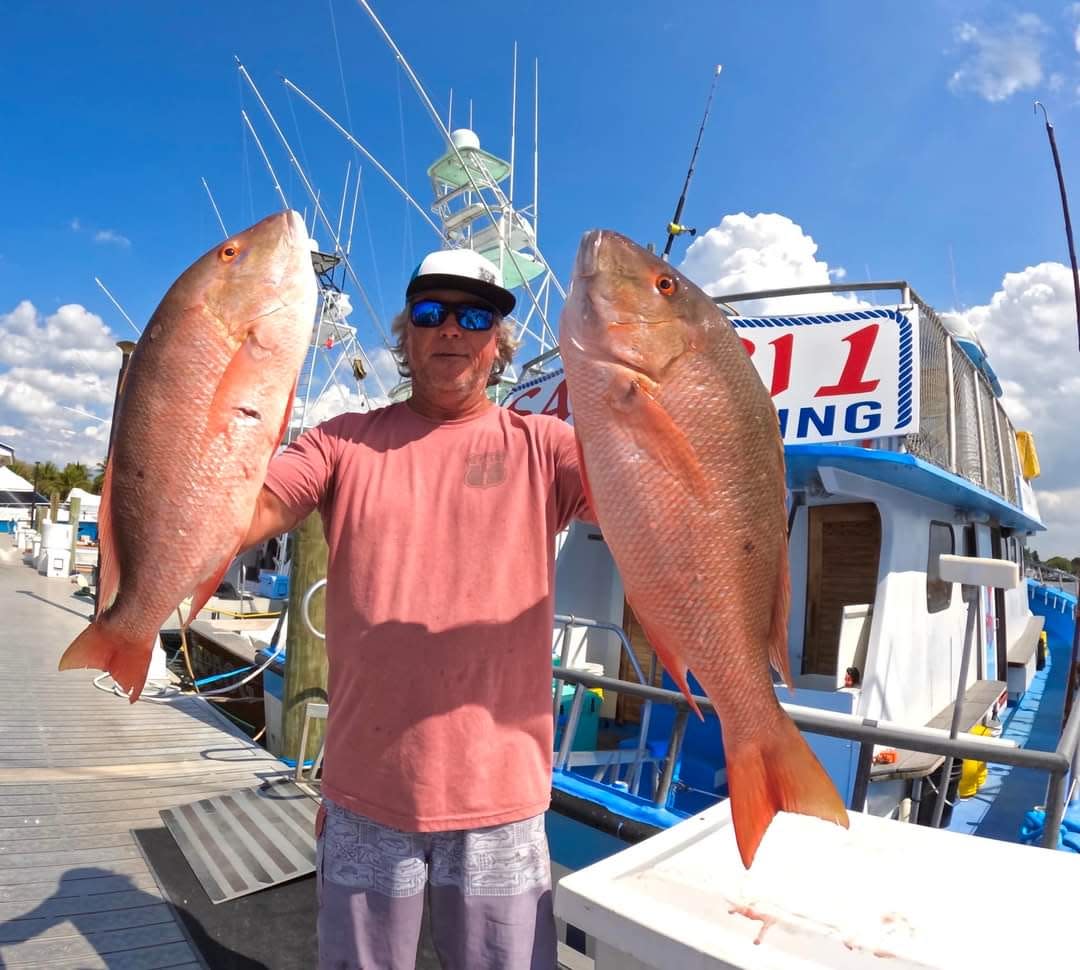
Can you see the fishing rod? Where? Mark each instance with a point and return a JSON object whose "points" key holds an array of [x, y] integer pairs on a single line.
{"points": [[674, 228], [1073, 675], [1064, 209]]}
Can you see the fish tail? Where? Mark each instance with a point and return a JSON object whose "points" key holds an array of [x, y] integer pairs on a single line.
{"points": [[777, 772], [101, 647]]}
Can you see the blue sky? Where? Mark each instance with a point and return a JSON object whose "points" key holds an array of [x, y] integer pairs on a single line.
{"points": [[899, 137]]}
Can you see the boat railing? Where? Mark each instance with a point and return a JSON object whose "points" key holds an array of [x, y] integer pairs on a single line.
{"points": [[566, 622], [867, 732], [962, 426]]}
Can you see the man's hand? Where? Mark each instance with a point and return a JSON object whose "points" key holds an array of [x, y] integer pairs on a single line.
{"points": [[272, 517]]}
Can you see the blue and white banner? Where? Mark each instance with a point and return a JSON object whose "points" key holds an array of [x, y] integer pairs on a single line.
{"points": [[838, 376], [832, 376]]}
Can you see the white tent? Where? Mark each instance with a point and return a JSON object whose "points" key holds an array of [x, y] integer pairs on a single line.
{"points": [[16, 498], [86, 499], [10, 482]]}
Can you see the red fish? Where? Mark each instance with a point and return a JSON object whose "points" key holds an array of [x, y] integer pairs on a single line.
{"points": [[205, 400], [681, 448]]}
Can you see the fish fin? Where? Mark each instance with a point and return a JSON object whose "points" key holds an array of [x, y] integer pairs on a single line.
{"points": [[287, 415], [776, 772], [585, 480], [208, 587], [103, 647], [675, 667], [659, 436], [108, 581], [246, 364], [778, 630]]}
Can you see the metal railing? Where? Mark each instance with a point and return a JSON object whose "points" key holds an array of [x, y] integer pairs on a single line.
{"points": [[868, 732], [568, 622]]}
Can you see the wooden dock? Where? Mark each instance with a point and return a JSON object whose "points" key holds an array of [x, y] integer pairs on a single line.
{"points": [[80, 770]]}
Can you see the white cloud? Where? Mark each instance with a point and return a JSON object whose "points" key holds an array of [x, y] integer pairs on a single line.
{"points": [[1000, 60], [49, 364], [1074, 10], [75, 224], [113, 237], [765, 251], [1029, 331]]}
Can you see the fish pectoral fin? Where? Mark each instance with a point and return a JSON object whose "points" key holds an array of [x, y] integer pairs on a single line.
{"points": [[242, 371], [208, 587], [657, 435], [585, 479], [288, 414]]}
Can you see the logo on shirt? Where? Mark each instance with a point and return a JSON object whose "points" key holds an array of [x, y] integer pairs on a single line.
{"points": [[485, 468]]}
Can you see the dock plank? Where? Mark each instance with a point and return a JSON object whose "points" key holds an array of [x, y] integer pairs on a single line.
{"points": [[82, 769]]}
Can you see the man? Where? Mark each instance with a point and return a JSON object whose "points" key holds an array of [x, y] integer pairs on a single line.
{"points": [[440, 514]]}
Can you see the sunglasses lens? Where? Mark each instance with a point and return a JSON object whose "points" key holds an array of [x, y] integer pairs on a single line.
{"points": [[475, 317], [427, 313]]}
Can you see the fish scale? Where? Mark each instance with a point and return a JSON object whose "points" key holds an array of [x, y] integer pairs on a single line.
{"points": [[681, 450], [203, 406]]}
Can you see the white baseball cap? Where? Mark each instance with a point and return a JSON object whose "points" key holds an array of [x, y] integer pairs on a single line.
{"points": [[465, 270]]}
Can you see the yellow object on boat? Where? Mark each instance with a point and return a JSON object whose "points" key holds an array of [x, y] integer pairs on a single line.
{"points": [[1029, 458], [973, 775]]}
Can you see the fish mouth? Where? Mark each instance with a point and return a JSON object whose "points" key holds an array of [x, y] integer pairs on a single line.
{"points": [[587, 262]]}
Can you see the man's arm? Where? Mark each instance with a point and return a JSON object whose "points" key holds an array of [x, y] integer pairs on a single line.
{"points": [[272, 517]]}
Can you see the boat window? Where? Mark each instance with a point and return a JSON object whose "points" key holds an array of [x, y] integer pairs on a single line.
{"points": [[938, 592]]}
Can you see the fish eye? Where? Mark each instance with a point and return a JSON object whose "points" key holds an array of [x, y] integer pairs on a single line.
{"points": [[666, 285], [228, 253]]}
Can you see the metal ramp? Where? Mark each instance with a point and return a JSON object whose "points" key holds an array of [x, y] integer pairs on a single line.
{"points": [[244, 841]]}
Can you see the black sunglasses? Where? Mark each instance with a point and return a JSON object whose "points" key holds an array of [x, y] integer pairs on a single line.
{"points": [[432, 313]]}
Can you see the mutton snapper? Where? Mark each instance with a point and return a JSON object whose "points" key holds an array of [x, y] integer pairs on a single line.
{"points": [[204, 403], [684, 463]]}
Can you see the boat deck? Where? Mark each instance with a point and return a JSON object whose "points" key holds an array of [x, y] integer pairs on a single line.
{"points": [[81, 771]]}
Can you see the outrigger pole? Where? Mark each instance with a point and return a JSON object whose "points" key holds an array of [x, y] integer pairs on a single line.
{"points": [[1065, 211], [673, 227], [1073, 676]]}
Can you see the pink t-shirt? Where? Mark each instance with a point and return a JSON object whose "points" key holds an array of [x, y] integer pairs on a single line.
{"points": [[439, 611]]}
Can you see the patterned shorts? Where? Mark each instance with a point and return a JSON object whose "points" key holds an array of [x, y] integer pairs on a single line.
{"points": [[488, 892]]}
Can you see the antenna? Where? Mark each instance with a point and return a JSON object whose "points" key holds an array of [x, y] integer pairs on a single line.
{"points": [[266, 159], [371, 158], [513, 125], [352, 218], [221, 222], [536, 146], [673, 227], [123, 312], [344, 198], [426, 100], [1068, 224]]}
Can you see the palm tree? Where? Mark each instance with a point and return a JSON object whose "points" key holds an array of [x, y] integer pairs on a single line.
{"points": [[99, 477], [23, 469], [74, 475], [48, 478]]}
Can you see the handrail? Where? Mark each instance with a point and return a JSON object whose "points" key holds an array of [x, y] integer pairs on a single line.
{"points": [[567, 621], [869, 731], [901, 285]]}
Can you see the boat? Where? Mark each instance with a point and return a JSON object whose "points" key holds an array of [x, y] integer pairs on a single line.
{"points": [[898, 451]]}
